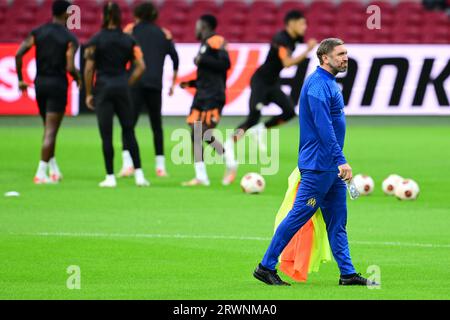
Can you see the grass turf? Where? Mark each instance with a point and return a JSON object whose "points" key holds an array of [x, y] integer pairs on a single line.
{"points": [[113, 234]]}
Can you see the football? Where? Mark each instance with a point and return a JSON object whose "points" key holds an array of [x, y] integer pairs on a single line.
{"points": [[253, 183], [364, 184], [390, 184], [407, 189]]}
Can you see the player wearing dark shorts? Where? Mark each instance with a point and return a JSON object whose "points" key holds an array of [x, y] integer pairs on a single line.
{"points": [[266, 87], [156, 43], [212, 64], [55, 51], [108, 54]]}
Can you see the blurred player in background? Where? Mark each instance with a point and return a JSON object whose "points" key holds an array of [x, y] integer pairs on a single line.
{"points": [[266, 88], [155, 43], [212, 63], [108, 53], [55, 52]]}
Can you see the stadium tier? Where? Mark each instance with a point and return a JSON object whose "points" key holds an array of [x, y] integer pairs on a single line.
{"points": [[252, 21]]}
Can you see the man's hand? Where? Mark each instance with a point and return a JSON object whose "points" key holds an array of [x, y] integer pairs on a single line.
{"points": [[311, 44], [23, 86], [345, 172], [184, 85], [171, 90], [77, 79], [197, 59], [90, 102]]}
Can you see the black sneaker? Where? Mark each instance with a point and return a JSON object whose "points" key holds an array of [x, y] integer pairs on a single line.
{"points": [[269, 277], [356, 280]]}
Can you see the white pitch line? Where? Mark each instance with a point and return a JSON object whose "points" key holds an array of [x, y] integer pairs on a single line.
{"points": [[213, 237]]}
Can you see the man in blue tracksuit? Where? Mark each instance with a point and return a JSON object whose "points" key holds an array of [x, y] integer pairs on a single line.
{"points": [[322, 165]]}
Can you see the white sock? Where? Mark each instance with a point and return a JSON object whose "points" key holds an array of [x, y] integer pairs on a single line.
{"points": [[110, 177], [160, 162], [127, 160], [200, 171], [42, 169], [139, 175], [259, 126], [54, 166], [229, 155]]}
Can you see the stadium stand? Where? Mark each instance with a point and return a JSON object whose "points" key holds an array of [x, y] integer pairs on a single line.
{"points": [[254, 21]]}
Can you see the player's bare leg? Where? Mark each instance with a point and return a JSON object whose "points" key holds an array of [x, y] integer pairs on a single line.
{"points": [[52, 124], [201, 176], [231, 164]]}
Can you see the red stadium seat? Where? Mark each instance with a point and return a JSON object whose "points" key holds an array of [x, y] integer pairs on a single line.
{"points": [[232, 33], [385, 6], [289, 5], [350, 7], [233, 13], [321, 6], [406, 33], [201, 7], [349, 34], [410, 19], [317, 20], [383, 35], [409, 7], [321, 33], [261, 8], [251, 21]]}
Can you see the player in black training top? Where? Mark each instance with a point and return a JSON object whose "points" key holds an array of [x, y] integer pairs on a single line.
{"points": [[156, 43], [212, 63], [108, 54], [55, 52], [266, 88]]}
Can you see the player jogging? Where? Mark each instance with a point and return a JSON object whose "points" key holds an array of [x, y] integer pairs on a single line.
{"points": [[108, 53], [155, 43], [55, 51], [265, 86], [212, 63], [323, 168]]}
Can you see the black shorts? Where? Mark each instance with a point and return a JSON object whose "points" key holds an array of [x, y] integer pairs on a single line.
{"points": [[208, 103], [263, 92], [51, 96], [210, 117], [116, 98]]}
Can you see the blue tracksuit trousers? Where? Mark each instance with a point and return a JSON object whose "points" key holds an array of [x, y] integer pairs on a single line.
{"points": [[318, 189]]}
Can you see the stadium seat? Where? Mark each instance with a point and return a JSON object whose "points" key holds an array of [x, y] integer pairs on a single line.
{"points": [[409, 7], [259, 8], [251, 21], [288, 5], [383, 35], [232, 33], [323, 7], [233, 13], [258, 33], [386, 7], [201, 7], [320, 33]]}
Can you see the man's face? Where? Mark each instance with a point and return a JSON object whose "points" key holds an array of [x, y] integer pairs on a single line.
{"points": [[198, 29], [66, 17], [337, 60], [298, 26]]}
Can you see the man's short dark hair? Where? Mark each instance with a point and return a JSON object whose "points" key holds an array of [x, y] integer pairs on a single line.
{"points": [[210, 21], [293, 15], [111, 14], [326, 46], [146, 11], [59, 7]]}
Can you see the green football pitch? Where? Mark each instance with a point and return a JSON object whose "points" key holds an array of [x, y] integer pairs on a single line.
{"points": [[170, 242]]}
